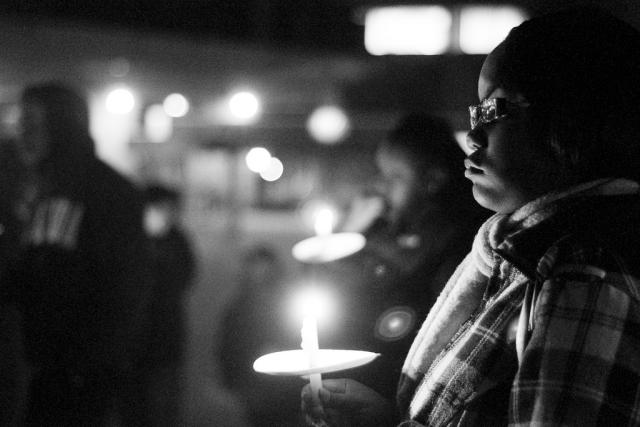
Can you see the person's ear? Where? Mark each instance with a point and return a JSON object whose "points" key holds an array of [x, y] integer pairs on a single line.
{"points": [[572, 141]]}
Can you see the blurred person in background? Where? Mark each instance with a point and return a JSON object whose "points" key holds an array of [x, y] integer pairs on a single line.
{"points": [[81, 277], [13, 369], [539, 323], [174, 267], [255, 322], [419, 220]]}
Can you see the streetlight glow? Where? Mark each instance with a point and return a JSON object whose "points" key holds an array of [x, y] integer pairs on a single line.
{"points": [[176, 105], [120, 101], [328, 124], [258, 159], [244, 106], [407, 30], [274, 171]]}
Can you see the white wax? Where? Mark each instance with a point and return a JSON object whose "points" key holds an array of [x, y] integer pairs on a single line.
{"points": [[296, 362], [327, 248], [309, 334]]}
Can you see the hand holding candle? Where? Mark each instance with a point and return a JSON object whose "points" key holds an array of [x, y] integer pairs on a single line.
{"points": [[311, 305], [310, 361]]}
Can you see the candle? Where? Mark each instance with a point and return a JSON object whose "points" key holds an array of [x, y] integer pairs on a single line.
{"points": [[324, 219], [310, 345], [327, 248], [296, 362]]}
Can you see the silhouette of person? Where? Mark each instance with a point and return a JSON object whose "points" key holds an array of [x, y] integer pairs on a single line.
{"points": [[174, 265], [13, 369], [419, 220], [81, 277]]}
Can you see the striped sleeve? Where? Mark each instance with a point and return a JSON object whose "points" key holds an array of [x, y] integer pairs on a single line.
{"points": [[581, 365]]}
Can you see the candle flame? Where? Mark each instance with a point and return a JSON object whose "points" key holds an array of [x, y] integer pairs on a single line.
{"points": [[324, 219], [312, 301], [309, 333]]}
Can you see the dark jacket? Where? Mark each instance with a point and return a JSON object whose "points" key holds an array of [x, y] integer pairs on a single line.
{"points": [[386, 290], [82, 282]]}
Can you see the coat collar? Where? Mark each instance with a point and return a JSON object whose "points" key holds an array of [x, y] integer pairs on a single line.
{"points": [[597, 211]]}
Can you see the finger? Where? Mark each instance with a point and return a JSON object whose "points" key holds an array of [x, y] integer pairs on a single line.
{"points": [[337, 398], [309, 405], [312, 422], [304, 392], [338, 385]]}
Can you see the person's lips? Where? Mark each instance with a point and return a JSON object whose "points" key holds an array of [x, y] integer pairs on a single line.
{"points": [[471, 169]]}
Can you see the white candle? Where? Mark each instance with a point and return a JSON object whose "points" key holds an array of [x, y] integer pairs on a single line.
{"points": [[323, 227], [323, 224], [309, 334]]}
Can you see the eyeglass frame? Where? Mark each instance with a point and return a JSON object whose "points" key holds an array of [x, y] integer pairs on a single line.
{"points": [[497, 108]]}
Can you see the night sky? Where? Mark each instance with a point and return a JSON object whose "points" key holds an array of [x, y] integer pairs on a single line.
{"points": [[316, 24], [322, 24]]}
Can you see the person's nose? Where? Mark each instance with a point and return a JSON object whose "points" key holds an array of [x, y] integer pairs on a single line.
{"points": [[476, 139]]}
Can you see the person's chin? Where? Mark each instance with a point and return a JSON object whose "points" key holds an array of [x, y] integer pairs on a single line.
{"points": [[482, 201], [496, 201], [487, 198]]}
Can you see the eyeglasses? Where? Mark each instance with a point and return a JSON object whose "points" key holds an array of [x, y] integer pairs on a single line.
{"points": [[489, 110]]}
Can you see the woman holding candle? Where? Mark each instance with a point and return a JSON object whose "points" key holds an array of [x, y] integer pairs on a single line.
{"points": [[538, 324], [419, 219]]}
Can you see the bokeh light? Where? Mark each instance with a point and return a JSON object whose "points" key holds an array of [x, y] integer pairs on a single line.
{"points": [[158, 126], [274, 171], [258, 159], [244, 106], [313, 300], [311, 209], [407, 30], [395, 323], [176, 105], [328, 124], [120, 101], [482, 28]]}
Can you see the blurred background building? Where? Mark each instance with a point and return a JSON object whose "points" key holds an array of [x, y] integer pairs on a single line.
{"points": [[183, 92]]}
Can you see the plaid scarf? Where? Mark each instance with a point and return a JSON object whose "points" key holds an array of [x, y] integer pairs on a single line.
{"points": [[453, 357]]}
